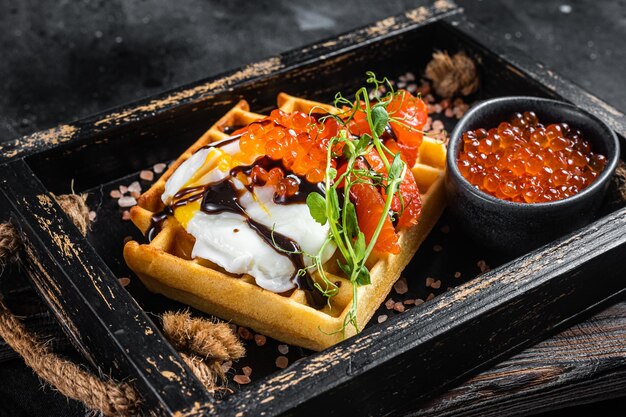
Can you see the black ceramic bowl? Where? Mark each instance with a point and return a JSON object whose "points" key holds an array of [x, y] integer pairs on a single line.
{"points": [[516, 228]]}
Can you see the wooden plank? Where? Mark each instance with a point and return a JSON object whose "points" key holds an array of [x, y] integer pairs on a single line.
{"points": [[101, 319], [585, 363]]}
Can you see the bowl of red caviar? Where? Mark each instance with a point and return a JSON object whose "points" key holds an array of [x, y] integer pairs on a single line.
{"points": [[523, 171]]}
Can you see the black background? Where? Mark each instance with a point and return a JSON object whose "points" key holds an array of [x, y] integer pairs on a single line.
{"points": [[64, 60]]}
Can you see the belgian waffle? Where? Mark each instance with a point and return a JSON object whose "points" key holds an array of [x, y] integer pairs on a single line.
{"points": [[164, 265]]}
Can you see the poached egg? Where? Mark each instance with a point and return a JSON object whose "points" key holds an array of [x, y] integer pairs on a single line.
{"points": [[227, 239]]}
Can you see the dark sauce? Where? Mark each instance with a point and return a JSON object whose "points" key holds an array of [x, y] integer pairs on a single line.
{"points": [[304, 187], [224, 197], [230, 129]]}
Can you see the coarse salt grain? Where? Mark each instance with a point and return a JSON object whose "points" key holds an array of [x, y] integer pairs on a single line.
{"points": [[449, 112], [399, 307], [430, 296], [457, 274], [124, 281], [159, 168], [126, 201], [244, 333], [284, 349], [259, 339], [126, 215], [401, 286], [436, 284], [409, 302], [134, 187], [482, 265], [115, 194], [226, 366], [437, 126], [389, 304], [123, 189], [241, 379], [146, 175], [92, 215], [135, 194], [419, 301], [429, 281], [282, 362], [247, 371], [382, 318]]}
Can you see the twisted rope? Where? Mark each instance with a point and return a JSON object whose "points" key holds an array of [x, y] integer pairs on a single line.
{"points": [[202, 340]]}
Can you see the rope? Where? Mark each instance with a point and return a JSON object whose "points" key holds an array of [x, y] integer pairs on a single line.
{"points": [[452, 75], [205, 343]]}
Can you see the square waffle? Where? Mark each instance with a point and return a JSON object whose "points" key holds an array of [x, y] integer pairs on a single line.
{"points": [[165, 266]]}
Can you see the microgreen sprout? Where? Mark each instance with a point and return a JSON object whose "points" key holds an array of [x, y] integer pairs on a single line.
{"points": [[340, 214]]}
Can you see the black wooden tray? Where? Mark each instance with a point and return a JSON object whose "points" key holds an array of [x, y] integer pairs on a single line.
{"points": [[468, 322]]}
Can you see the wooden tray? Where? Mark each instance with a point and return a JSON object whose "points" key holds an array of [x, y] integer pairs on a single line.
{"points": [[388, 368]]}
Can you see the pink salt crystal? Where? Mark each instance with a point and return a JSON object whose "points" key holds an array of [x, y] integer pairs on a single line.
{"points": [[126, 201], [146, 175], [259, 339], [401, 286], [241, 379], [134, 186], [399, 307], [159, 168], [282, 362]]}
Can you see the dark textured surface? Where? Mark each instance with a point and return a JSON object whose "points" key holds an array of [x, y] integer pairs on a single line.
{"points": [[70, 59]]}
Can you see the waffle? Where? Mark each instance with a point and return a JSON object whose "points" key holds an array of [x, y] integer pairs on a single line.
{"points": [[164, 265]]}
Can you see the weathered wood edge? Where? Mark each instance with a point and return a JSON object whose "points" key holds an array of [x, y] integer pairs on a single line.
{"points": [[582, 364], [99, 317], [537, 286], [210, 87]]}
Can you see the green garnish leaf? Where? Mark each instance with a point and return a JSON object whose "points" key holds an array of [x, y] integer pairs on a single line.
{"points": [[352, 225], [363, 277], [395, 171], [363, 142], [317, 207], [332, 173], [344, 267], [359, 247], [334, 204], [380, 118]]}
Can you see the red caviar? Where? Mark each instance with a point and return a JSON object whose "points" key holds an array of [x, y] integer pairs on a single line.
{"points": [[524, 161], [300, 143], [411, 114], [295, 138]]}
